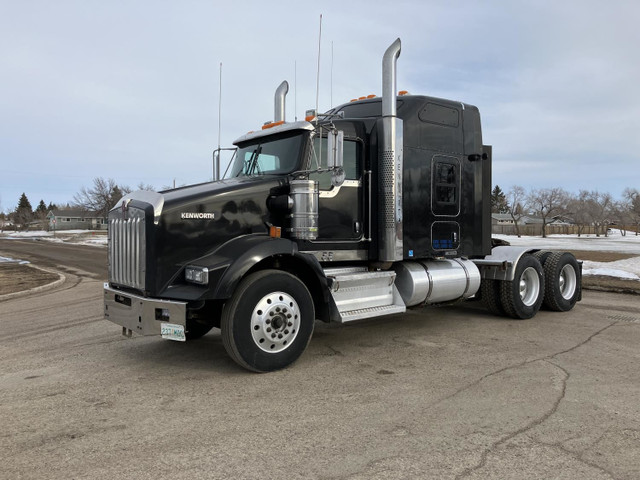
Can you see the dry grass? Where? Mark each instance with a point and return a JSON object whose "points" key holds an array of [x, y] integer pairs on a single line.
{"points": [[15, 278]]}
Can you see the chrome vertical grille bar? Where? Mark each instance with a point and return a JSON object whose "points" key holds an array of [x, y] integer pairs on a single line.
{"points": [[127, 250]]}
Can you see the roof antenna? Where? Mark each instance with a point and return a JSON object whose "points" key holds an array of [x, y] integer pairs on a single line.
{"points": [[331, 89], [220, 106], [218, 151], [318, 71]]}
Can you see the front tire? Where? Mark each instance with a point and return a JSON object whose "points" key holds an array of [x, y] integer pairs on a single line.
{"points": [[268, 322], [563, 286], [523, 296]]}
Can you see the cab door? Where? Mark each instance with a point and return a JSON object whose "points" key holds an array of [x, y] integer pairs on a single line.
{"points": [[340, 211]]}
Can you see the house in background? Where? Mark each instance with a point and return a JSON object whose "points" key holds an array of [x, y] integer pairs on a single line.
{"points": [[506, 219], [75, 219]]}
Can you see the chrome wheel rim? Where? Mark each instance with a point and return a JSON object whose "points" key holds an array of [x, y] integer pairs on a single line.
{"points": [[568, 282], [275, 322], [529, 286]]}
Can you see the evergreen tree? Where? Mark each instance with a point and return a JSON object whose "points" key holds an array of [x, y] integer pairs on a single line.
{"points": [[52, 206], [24, 212], [116, 195], [24, 203], [498, 201], [41, 208]]}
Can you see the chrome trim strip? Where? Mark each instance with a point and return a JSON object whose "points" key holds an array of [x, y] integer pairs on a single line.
{"points": [[338, 255], [335, 190]]}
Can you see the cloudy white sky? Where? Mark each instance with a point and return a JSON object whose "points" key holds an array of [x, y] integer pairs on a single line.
{"points": [[129, 89]]}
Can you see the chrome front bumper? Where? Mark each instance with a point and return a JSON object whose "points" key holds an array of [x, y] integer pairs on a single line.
{"points": [[144, 316]]}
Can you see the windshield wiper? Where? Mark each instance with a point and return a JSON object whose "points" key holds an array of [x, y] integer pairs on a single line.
{"points": [[252, 164]]}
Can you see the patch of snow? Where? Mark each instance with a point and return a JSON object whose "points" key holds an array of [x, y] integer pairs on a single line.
{"points": [[610, 272], [13, 260], [628, 268], [615, 242], [77, 237], [94, 242]]}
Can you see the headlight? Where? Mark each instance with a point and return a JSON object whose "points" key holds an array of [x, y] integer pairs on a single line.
{"points": [[196, 275]]}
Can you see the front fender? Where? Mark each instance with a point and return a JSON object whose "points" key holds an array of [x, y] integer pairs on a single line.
{"points": [[239, 255], [230, 262]]}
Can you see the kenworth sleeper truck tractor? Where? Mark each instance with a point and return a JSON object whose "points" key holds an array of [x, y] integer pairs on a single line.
{"points": [[379, 205]]}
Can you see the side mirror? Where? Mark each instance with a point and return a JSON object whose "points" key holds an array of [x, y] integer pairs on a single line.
{"points": [[335, 144], [335, 157]]}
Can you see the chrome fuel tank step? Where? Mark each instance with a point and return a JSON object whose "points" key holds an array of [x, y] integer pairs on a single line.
{"points": [[361, 294]]}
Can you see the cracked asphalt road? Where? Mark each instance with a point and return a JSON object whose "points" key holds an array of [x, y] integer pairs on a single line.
{"points": [[443, 393]]}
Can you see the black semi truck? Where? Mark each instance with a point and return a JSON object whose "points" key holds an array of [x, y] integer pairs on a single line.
{"points": [[379, 205]]}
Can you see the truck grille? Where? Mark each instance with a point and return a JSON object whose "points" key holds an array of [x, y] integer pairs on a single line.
{"points": [[127, 252]]}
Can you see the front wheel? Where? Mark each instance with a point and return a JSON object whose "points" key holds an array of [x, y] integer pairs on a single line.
{"points": [[522, 296], [268, 322]]}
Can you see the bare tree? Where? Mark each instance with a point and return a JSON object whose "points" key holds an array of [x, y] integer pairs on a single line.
{"points": [[631, 198], [142, 186], [547, 203], [515, 198], [578, 209], [621, 215], [599, 207], [100, 198]]}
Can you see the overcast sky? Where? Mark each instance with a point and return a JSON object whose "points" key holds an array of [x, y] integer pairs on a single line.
{"points": [[129, 89]]}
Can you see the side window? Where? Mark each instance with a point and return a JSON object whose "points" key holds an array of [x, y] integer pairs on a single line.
{"points": [[445, 196], [350, 160]]}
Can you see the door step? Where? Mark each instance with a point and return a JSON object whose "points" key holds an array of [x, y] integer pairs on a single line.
{"points": [[352, 315], [360, 294]]}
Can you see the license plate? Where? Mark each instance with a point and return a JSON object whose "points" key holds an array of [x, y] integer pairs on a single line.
{"points": [[171, 331]]}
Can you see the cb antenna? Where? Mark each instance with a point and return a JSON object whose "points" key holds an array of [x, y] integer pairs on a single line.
{"points": [[331, 74], [318, 71], [220, 106]]}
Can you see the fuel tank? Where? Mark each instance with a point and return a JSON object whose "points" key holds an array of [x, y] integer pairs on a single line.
{"points": [[436, 281]]}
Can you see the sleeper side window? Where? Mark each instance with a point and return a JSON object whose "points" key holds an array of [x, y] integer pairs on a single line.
{"points": [[445, 183]]}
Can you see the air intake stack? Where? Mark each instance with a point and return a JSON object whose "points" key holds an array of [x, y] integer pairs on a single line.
{"points": [[390, 163], [279, 109]]}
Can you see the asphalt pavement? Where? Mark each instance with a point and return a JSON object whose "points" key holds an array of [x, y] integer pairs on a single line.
{"points": [[443, 393]]}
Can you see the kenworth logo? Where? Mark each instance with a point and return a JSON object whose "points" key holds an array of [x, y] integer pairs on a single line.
{"points": [[199, 216]]}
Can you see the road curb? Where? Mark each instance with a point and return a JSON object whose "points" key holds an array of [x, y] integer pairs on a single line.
{"points": [[42, 288]]}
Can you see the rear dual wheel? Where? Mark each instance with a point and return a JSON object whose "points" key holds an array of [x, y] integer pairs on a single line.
{"points": [[563, 286], [490, 294], [552, 279], [522, 297]]}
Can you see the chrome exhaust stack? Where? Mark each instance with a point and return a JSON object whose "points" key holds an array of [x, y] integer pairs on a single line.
{"points": [[390, 163], [389, 81], [279, 110]]}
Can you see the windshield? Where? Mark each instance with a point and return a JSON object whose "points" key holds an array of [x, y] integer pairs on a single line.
{"points": [[267, 156]]}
